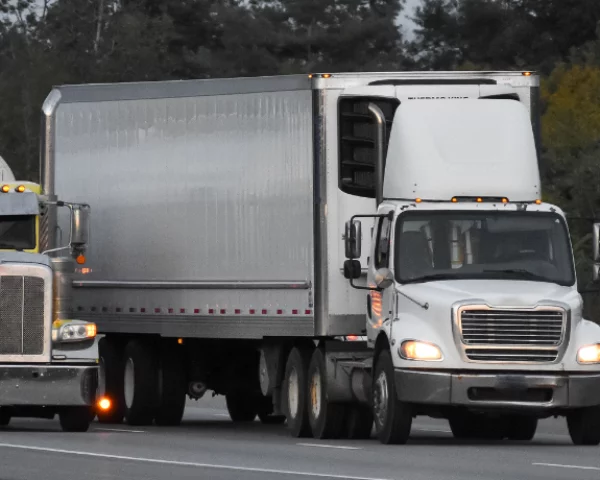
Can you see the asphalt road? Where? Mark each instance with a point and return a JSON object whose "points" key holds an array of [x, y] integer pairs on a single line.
{"points": [[209, 446]]}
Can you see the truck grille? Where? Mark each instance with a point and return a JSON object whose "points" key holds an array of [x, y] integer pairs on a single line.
{"points": [[512, 335], [21, 315]]}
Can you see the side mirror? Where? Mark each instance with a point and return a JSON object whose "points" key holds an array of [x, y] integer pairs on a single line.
{"points": [[384, 278], [352, 269], [352, 239], [80, 225]]}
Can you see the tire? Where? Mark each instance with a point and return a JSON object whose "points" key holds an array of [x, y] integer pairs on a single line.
{"points": [[521, 428], [242, 406], [295, 389], [584, 426], [171, 387], [359, 422], [110, 381], [326, 419], [462, 425], [393, 418], [140, 383], [76, 419], [5, 417], [265, 412]]}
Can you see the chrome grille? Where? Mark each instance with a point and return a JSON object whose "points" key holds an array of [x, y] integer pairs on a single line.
{"points": [[21, 315], [512, 335]]}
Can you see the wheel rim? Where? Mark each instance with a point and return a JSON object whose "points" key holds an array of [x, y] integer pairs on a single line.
{"points": [[315, 394], [293, 392], [129, 382], [380, 400]]}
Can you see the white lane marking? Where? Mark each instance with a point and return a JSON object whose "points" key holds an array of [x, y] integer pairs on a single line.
{"points": [[558, 465], [118, 430], [186, 464], [322, 445]]}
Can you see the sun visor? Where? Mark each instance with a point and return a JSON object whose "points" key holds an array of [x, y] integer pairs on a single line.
{"points": [[25, 203]]}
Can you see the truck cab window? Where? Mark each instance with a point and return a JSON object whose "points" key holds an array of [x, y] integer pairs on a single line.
{"points": [[17, 232]]}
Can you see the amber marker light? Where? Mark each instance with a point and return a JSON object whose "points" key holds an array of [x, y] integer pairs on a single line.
{"points": [[80, 259], [5, 188], [20, 189], [104, 404]]}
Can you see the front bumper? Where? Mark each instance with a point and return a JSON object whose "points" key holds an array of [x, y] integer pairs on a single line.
{"points": [[487, 389], [48, 385]]}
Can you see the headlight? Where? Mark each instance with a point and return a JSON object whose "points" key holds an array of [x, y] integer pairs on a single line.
{"points": [[64, 331], [589, 354], [415, 350]]}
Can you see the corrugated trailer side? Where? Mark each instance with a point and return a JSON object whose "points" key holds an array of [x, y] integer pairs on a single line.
{"points": [[202, 200]]}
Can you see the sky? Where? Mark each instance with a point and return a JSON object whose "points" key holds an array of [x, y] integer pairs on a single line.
{"points": [[407, 24]]}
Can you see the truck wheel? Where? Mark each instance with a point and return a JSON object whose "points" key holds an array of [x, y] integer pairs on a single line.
{"points": [[171, 387], [521, 428], [76, 419], [140, 383], [295, 386], [326, 419], [462, 425], [110, 381], [359, 422], [393, 418], [584, 426], [265, 412], [5, 417], [241, 405]]}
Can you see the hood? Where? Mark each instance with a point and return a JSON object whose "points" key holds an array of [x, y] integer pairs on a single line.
{"points": [[495, 293], [24, 257]]}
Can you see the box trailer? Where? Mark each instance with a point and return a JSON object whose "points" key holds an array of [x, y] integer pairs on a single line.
{"points": [[221, 248]]}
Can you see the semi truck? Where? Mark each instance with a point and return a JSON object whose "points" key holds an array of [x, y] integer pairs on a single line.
{"points": [[229, 254], [48, 358]]}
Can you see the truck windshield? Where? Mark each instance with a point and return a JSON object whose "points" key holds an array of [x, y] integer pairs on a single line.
{"points": [[17, 232], [483, 245]]}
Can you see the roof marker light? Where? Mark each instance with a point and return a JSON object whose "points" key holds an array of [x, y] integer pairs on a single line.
{"points": [[418, 200], [538, 202], [5, 188], [479, 199], [326, 75], [454, 199], [504, 200], [20, 189], [527, 74]]}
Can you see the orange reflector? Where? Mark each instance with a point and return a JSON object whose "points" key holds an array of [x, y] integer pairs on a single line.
{"points": [[418, 200], [20, 189], [538, 202], [5, 188], [479, 199], [326, 75], [104, 404], [180, 341], [80, 259]]}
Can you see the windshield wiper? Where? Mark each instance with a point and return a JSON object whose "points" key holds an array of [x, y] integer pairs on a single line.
{"points": [[520, 272], [432, 277]]}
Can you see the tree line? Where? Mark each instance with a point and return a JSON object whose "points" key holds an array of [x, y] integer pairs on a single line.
{"points": [[49, 42]]}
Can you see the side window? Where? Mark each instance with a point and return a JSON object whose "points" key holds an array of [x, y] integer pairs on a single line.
{"points": [[382, 249]]}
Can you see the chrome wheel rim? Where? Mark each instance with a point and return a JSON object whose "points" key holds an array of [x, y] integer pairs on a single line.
{"points": [[129, 382], [380, 398]]}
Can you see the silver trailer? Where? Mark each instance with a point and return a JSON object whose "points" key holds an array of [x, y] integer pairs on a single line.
{"points": [[220, 236]]}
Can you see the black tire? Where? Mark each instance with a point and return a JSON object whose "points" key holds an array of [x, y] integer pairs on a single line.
{"points": [[5, 417], [393, 418], [171, 386], [242, 406], [326, 418], [76, 419], [584, 426], [265, 412], [521, 428], [359, 422], [110, 381], [140, 383], [462, 425], [295, 392]]}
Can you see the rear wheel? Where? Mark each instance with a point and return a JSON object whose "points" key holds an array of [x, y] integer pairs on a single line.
{"points": [[584, 426], [326, 418], [393, 418], [110, 381], [295, 385], [171, 386], [76, 419], [140, 383]]}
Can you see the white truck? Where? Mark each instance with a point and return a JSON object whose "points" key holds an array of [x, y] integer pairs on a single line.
{"points": [[228, 252], [48, 358]]}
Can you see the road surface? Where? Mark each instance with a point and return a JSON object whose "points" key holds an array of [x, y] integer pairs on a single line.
{"points": [[209, 446]]}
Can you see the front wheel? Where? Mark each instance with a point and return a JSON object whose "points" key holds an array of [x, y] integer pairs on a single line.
{"points": [[76, 419], [522, 428], [584, 426], [393, 418]]}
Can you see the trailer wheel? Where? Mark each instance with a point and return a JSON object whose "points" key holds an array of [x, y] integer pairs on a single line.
{"points": [[521, 428], [5, 417], [171, 387], [393, 418], [295, 386], [76, 419], [359, 422], [242, 406], [140, 383], [110, 380], [326, 418], [584, 426]]}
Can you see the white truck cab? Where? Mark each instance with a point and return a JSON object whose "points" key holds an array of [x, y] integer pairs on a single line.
{"points": [[472, 303]]}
